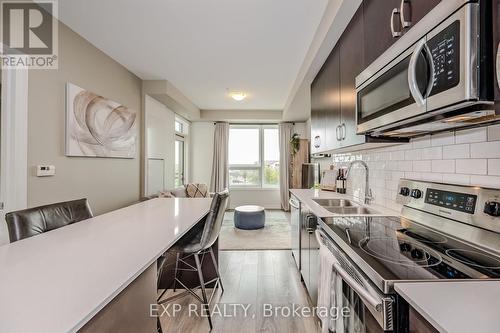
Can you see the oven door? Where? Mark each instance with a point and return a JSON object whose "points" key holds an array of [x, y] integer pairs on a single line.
{"points": [[366, 311]]}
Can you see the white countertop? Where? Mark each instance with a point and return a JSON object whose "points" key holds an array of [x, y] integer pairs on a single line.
{"points": [[57, 281], [306, 196], [456, 307]]}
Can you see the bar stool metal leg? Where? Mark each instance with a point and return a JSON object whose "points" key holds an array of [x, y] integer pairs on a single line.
{"points": [[158, 325], [219, 279], [203, 292], [176, 268]]}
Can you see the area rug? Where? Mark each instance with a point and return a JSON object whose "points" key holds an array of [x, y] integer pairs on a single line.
{"points": [[274, 236]]}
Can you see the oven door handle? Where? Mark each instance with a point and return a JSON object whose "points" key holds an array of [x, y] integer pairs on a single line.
{"points": [[412, 74], [362, 292]]}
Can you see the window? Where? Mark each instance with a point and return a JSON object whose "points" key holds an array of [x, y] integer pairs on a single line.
{"points": [[253, 156], [181, 127]]}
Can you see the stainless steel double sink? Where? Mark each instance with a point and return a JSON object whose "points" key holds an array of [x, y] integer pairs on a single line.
{"points": [[344, 207]]}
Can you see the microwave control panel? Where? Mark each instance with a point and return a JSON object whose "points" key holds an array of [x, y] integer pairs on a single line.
{"points": [[461, 202], [445, 49]]}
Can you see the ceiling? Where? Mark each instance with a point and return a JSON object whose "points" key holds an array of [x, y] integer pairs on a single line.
{"points": [[204, 47]]}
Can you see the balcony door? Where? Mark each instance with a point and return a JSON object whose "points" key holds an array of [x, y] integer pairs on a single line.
{"points": [[180, 162]]}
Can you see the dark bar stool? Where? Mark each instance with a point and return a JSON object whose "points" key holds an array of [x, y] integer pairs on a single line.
{"points": [[34, 221], [198, 242]]}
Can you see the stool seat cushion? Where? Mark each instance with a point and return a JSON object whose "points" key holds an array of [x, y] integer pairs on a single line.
{"points": [[249, 217]]}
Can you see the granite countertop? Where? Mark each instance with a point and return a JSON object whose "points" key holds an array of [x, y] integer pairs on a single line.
{"points": [[456, 307], [306, 196], [57, 281]]}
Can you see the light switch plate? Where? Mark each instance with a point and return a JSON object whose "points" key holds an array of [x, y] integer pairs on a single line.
{"points": [[45, 170]]}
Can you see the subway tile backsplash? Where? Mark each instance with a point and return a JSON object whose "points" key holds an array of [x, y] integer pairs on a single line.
{"points": [[467, 157]]}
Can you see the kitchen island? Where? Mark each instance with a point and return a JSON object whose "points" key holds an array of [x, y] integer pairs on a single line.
{"points": [[455, 307], [59, 281]]}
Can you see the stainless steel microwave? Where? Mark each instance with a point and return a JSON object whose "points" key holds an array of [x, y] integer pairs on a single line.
{"points": [[436, 77]]}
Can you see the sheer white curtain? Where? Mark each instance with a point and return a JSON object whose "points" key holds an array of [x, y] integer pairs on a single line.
{"points": [[220, 168], [285, 134]]}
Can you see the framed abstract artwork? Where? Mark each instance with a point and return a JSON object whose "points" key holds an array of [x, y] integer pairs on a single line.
{"points": [[97, 126]]}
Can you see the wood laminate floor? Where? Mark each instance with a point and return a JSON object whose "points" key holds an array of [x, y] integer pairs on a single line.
{"points": [[259, 280]]}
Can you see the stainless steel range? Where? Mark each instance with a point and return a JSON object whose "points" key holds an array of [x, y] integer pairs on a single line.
{"points": [[444, 232]]}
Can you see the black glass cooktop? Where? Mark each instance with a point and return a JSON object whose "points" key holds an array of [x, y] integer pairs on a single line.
{"points": [[399, 249]]}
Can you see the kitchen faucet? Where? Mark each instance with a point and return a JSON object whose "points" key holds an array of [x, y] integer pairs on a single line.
{"points": [[368, 191]]}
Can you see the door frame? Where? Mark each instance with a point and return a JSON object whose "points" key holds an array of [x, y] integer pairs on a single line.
{"points": [[182, 139], [13, 144]]}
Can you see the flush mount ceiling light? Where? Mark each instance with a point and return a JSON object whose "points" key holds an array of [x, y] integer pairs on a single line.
{"points": [[238, 96]]}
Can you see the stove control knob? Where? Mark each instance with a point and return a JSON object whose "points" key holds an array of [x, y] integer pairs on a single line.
{"points": [[404, 191], [492, 208], [417, 254], [404, 247], [417, 194]]}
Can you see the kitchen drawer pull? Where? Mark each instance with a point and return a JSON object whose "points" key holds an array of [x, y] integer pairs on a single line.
{"points": [[395, 33], [293, 204], [363, 293], [404, 23], [343, 131]]}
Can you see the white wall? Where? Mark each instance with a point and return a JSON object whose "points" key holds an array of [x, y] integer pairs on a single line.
{"points": [[470, 157], [300, 106], [108, 183], [302, 130], [160, 137], [202, 150], [202, 147]]}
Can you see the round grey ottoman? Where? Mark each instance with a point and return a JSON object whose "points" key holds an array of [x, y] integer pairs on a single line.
{"points": [[249, 217]]}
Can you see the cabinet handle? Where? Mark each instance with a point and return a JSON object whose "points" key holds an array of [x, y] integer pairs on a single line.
{"points": [[344, 130], [317, 141], [337, 134], [498, 65], [395, 33], [404, 22]]}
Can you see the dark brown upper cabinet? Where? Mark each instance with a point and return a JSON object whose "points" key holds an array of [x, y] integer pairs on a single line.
{"points": [[318, 128], [387, 20], [417, 9], [496, 51], [325, 105], [378, 37], [352, 63], [332, 99]]}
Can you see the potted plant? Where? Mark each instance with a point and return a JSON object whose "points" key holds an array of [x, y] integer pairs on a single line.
{"points": [[295, 143]]}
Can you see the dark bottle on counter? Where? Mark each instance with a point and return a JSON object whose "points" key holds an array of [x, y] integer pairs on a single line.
{"points": [[341, 182]]}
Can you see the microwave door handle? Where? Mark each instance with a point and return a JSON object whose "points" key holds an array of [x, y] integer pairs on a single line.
{"points": [[432, 72], [363, 293], [412, 74]]}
